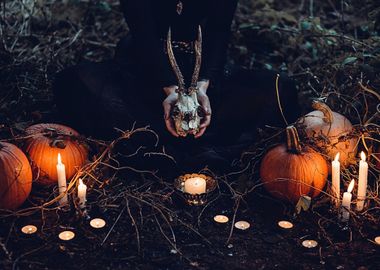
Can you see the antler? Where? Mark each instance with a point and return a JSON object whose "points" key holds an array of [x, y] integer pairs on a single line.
{"points": [[173, 62], [198, 59]]}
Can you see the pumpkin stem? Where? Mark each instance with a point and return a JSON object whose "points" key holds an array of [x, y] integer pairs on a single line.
{"points": [[293, 140], [325, 109]]}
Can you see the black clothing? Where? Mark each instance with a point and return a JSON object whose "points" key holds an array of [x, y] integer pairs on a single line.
{"points": [[96, 97], [149, 21]]}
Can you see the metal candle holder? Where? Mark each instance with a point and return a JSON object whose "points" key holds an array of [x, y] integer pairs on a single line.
{"points": [[195, 199]]}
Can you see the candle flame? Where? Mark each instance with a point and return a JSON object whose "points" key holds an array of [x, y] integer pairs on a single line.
{"points": [[81, 182], [362, 156], [59, 159], [351, 186], [337, 157]]}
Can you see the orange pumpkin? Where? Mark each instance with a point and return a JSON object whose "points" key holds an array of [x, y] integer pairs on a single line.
{"points": [[43, 146], [331, 133], [288, 171], [15, 176]]}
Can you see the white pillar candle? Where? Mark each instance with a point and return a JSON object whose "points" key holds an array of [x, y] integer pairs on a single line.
{"points": [[82, 190], [362, 186], [335, 175], [195, 185], [346, 202], [62, 186]]}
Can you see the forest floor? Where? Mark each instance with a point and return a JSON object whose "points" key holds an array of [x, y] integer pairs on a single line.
{"points": [[332, 50]]}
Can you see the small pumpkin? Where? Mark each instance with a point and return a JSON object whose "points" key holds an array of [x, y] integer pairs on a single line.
{"points": [[288, 171], [43, 146], [330, 131], [15, 176]]}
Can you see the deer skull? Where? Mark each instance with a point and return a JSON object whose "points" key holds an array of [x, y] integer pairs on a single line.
{"points": [[186, 112], [186, 115]]}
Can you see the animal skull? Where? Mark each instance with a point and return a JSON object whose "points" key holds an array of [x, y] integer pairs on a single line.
{"points": [[186, 112]]}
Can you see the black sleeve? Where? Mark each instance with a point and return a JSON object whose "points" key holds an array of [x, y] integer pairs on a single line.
{"points": [[139, 17], [216, 33]]}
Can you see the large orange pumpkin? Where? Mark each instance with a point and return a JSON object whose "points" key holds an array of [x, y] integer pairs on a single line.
{"points": [[15, 176], [331, 133], [288, 171], [43, 146]]}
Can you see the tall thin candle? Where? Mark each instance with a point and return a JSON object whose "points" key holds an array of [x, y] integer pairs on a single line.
{"points": [[363, 178], [335, 174], [62, 185]]}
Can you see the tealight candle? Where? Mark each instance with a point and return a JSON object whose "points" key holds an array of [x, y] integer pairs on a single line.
{"points": [[346, 203], [310, 243], [362, 185], [97, 223], [221, 219], [335, 175], [195, 185], [242, 225], [377, 240], [285, 224], [29, 229], [66, 235], [62, 186], [82, 190]]}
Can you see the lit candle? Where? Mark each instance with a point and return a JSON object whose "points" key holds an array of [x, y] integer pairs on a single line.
{"points": [[242, 225], [346, 203], [285, 224], [335, 174], [29, 229], [221, 219], [97, 223], [61, 172], [377, 240], [362, 185], [310, 243], [66, 235], [82, 189], [195, 185]]}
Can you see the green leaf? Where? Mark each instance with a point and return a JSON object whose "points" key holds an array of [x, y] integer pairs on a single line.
{"points": [[349, 60], [105, 6], [305, 25]]}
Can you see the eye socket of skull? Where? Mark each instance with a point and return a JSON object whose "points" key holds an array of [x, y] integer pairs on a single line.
{"points": [[175, 111], [188, 116], [200, 111]]}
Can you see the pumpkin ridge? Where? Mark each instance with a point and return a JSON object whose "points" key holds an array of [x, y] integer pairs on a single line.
{"points": [[44, 153], [288, 174], [15, 177]]}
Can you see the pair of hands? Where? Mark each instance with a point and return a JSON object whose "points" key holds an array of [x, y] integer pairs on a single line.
{"points": [[203, 100]]}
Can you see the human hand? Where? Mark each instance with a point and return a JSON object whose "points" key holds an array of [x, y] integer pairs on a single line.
{"points": [[169, 101], [205, 105]]}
